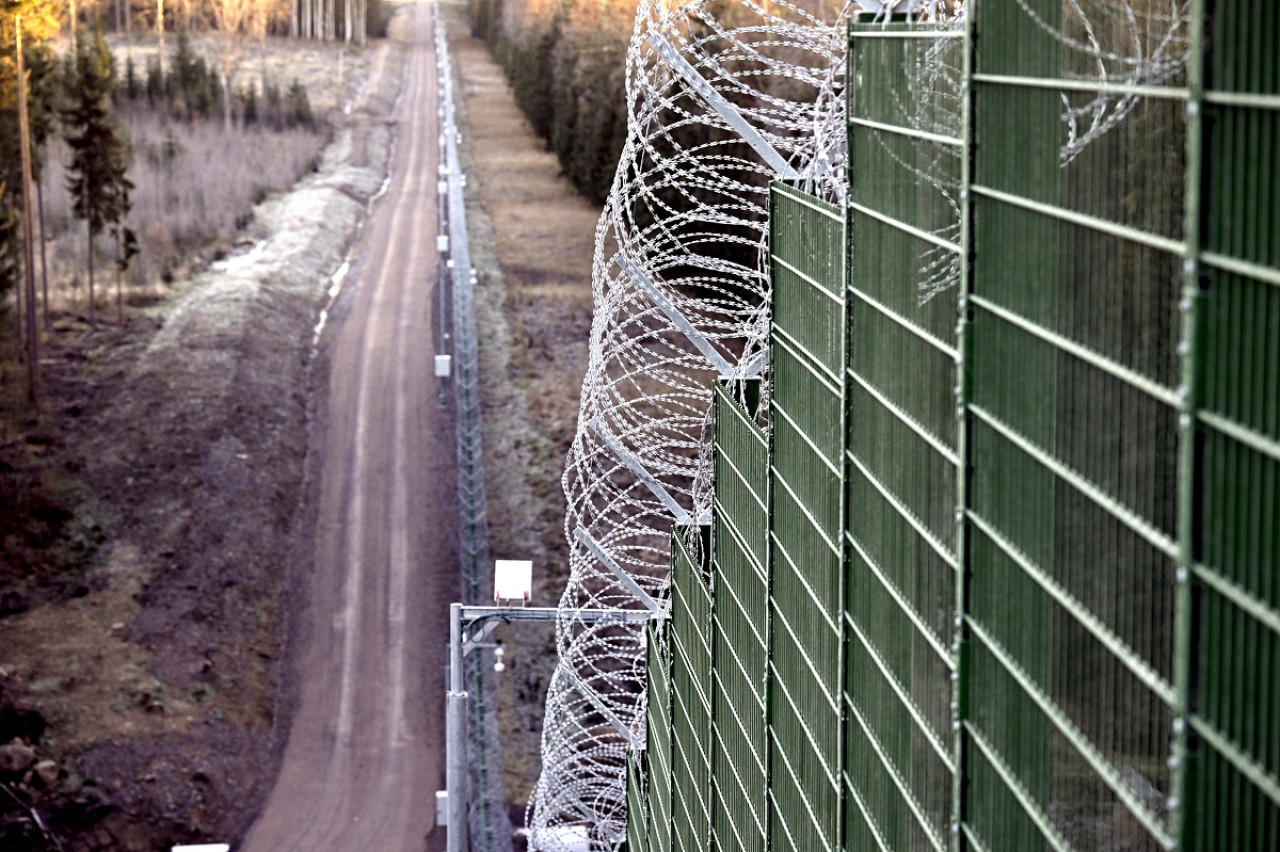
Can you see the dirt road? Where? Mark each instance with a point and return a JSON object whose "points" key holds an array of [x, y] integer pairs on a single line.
{"points": [[365, 750]]}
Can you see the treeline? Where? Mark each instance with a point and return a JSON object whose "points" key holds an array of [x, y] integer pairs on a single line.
{"points": [[70, 97], [566, 60], [192, 90], [331, 20]]}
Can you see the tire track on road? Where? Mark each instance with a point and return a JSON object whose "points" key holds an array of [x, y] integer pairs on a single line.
{"points": [[365, 750]]}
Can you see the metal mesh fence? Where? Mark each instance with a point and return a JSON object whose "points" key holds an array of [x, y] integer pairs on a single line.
{"points": [[1072, 433], [690, 697], [806, 582], [1233, 783], [488, 821], [741, 624], [901, 438], [1023, 487]]}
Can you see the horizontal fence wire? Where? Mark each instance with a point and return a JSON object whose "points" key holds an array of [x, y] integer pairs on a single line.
{"points": [[807, 261], [1004, 573], [1233, 784]]}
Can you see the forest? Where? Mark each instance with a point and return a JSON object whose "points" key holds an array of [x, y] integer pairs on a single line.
{"points": [[566, 61]]}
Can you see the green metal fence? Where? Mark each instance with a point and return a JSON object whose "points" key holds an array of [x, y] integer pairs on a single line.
{"points": [[1072, 438], [1233, 772], [1005, 573], [741, 626], [901, 439], [656, 761], [690, 644], [807, 577]]}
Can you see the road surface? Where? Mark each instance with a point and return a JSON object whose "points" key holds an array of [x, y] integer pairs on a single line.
{"points": [[365, 752]]}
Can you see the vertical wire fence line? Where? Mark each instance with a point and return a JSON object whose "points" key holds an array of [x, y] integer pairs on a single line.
{"points": [[721, 100], [488, 819]]}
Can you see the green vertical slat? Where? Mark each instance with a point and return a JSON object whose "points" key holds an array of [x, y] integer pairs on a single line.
{"points": [[901, 476], [806, 577], [1232, 787], [740, 643]]}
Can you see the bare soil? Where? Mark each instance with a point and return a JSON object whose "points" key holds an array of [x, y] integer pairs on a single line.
{"points": [[533, 237], [144, 596], [149, 511]]}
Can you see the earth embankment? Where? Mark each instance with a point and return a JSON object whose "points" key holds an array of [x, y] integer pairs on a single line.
{"points": [[160, 672]]}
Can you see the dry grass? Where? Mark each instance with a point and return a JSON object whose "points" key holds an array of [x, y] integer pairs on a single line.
{"points": [[194, 191], [195, 185]]}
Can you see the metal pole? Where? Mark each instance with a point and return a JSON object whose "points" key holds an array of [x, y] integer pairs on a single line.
{"points": [[455, 738]]}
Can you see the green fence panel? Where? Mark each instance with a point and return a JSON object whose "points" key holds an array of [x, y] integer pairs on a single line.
{"points": [[1233, 784], [904, 170], [637, 804], [690, 644], [657, 755], [740, 626], [1005, 574], [1074, 439], [805, 568]]}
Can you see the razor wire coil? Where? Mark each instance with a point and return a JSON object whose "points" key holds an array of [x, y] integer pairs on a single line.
{"points": [[724, 97]]}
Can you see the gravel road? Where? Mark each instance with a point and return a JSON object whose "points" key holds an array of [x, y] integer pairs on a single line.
{"points": [[365, 749]]}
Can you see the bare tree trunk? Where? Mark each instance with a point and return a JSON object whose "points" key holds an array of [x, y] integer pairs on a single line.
{"points": [[73, 16], [44, 260], [295, 12], [160, 31], [28, 227], [119, 280], [226, 101], [93, 308]]}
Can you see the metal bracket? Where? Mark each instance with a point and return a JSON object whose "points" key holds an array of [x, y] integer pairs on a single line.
{"points": [[658, 610], [633, 464], [600, 707], [726, 110], [677, 319]]}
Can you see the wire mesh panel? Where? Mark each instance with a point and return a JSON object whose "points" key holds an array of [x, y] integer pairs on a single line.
{"points": [[807, 258], [1073, 422], [657, 754], [690, 698], [637, 804], [904, 175], [1233, 785], [740, 631]]}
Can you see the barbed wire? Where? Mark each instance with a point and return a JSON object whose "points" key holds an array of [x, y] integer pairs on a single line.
{"points": [[488, 821], [724, 97]]}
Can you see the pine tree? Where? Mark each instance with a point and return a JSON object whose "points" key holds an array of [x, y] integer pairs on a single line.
{"points": [[40, 22], [10, 249], [44, 94], [98, 179]]}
